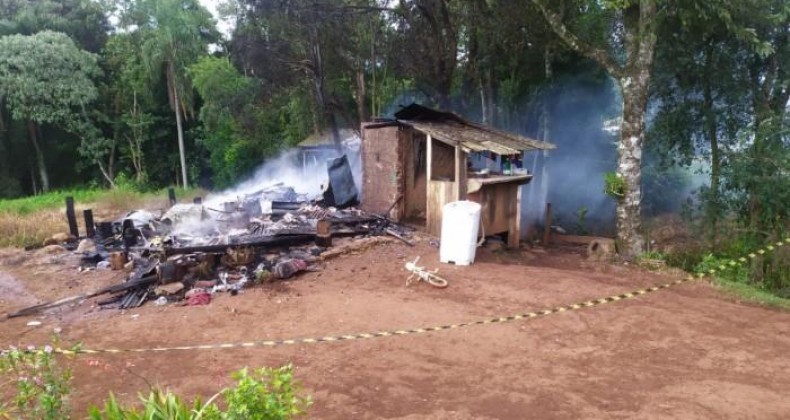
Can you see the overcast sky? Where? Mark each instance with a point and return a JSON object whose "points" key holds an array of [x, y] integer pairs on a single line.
{"points": [[224, 27]]}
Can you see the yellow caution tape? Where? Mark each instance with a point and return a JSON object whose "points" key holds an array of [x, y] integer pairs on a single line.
{"points": [[423, 330]]}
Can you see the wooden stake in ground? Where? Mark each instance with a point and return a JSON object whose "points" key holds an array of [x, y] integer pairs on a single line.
{"points": [[71, 217], [547, 226]]}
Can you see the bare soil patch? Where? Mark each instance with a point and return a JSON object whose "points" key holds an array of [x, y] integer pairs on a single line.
{"points": [[686, 352]]}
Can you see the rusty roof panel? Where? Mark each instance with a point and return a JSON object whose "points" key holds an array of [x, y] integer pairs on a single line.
{"points": [[477, 137]]}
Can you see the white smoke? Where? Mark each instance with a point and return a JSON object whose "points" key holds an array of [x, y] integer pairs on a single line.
{"points": [[305, 173]]}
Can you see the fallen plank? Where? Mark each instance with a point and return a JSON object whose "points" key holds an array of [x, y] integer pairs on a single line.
{"points": [[395, 235], [355, 246], [283, 240], [143, 282]]}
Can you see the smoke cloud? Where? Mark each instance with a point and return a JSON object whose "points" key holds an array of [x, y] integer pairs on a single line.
{"points": [[305, 172]]}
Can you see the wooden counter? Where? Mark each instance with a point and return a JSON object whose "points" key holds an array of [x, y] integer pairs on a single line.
{"points": [[475, 184], [500, 198]]}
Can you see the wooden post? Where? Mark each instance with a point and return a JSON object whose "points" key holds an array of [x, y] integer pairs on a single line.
{"points": [[514, 225], [197, 200], [171, 196], [323, 237], [429, 157], [129, 234], [460, 173], [430, 211], [547, 226], [71, 217], [90, 228]]}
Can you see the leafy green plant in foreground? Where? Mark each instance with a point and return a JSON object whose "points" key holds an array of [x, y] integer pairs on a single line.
{"points": [[42, 385], [35, 386], [615, 185], [263, 394]]}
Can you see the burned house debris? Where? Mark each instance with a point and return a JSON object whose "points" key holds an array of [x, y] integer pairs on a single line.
{"points": [[222, 245], [426, 158], [411, 168]]}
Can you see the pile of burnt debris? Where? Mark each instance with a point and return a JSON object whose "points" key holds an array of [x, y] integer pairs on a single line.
{"points": [[193, 251]]}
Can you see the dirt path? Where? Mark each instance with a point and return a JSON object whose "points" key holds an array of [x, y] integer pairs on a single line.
{"points": [[687, 352]]}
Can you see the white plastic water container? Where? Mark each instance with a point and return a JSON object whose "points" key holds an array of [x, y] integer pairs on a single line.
{"points": [[460, 224]]}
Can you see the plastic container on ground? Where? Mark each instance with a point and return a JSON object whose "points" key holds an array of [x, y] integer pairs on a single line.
{"points": [[460, 224]]}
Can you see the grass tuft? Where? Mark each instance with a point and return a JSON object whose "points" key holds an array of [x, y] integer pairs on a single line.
{"points": [[749, 293]]}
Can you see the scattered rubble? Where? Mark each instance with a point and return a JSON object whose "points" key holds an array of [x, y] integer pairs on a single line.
{"points": [[192, 251]]}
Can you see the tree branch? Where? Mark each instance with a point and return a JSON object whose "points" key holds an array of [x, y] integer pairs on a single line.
{"points": [[600, 56]]}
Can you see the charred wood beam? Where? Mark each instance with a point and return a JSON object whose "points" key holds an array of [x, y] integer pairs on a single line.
{"points": [[269, 241], [143, 282], [396, 235], [110, 300]]}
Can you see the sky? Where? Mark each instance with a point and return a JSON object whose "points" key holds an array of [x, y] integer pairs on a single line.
{"points": [[225, 27]]}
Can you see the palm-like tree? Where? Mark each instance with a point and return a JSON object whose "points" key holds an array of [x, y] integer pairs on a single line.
{"points": [[175, 34]]}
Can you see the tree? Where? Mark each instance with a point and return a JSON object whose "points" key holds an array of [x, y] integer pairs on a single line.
{"points": [[429, 46], [721, 93], [226, 97], [45, 79], [635, 35], [701, 80], [84, 21], [175, 34]]}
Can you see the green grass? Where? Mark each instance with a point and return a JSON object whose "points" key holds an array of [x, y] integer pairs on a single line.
{"points": [[56, 199], [29, 221], [752, 294], [51, 200]]}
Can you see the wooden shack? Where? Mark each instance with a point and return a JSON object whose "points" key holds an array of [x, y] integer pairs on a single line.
{"points": [[416, 163]]}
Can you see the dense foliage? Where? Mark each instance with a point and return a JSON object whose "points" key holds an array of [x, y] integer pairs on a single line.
{"points": [[149, 92]]}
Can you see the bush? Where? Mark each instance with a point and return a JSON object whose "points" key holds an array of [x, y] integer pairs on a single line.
{"points": [[42, 386], [734, 273], [266, 394], [615, 185]]}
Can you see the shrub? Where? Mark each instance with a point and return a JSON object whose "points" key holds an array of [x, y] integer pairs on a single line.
{"points": [[264, 394], [42, 386], [735, 273], [615, 185]]}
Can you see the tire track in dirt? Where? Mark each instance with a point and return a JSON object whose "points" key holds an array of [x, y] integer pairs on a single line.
{"points": [[13, 292]]}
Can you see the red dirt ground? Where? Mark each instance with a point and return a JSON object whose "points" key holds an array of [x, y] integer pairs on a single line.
{"points": [[687, 352]]}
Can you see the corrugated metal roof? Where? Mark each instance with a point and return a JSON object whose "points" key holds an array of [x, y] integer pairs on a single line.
{"points": [[452, 129]]}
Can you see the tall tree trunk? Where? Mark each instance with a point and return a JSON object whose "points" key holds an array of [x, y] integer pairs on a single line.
{"points": [[629, 164], [711, 126], [33, 180], [548, 71], [32, 131], [180, 128], [373, 68], [362, 95], [4, 168], [639, 23]]}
